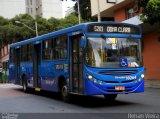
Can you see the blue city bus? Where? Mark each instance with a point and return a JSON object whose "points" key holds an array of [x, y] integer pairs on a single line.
{"points": [[97, 58]]}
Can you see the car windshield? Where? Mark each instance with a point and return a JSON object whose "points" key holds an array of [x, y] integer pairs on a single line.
{"points": [[113, 52]]}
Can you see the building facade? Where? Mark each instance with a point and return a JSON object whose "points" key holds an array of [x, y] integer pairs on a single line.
{"points": [[127, 11], [44, 8], [11, 8]]}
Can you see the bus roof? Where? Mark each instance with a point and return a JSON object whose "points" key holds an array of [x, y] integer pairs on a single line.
{"points": [[63, 31]]}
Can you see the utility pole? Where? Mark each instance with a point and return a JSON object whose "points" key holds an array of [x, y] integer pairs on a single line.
{"points": [[36, 30], [99, 16], [36, 27]]}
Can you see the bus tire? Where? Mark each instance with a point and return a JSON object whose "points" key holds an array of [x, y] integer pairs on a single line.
{"points": [[110, 97], [64, 92], [24, 84]]}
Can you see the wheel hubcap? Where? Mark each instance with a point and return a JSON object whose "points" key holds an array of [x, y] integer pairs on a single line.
{"points": [[64, 90], [24, 86]]}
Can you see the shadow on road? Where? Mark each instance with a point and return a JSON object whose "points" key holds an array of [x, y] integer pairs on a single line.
{"points": [[94, 102], [83, 101]]}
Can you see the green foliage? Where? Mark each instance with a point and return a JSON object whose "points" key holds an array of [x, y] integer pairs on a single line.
{"points": [[68, 21], [12, 32], [85, 10], [150, 10]]}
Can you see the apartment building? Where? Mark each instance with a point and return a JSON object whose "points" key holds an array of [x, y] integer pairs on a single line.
{"points": [[11, 8], [44, 8], [127, 11]]}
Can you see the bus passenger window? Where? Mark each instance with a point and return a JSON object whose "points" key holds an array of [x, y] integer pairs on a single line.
{"points": [[11, 55], [60, 47], [29, 52], [47, 50]]}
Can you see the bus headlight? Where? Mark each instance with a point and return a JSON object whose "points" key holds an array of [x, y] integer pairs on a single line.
{"points": [[95, 81], [100, 82], [90, 77], [142, 75], [138, 80]]}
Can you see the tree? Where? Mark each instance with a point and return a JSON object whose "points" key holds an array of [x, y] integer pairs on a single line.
{"points": [[54, 24], [68, 21], [150, 10], [85, 10], [12, 32]]}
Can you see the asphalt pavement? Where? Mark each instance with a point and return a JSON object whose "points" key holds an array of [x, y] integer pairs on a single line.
{"points": [[48, 105]]}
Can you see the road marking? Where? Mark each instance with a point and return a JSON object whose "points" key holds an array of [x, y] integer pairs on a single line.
{"points": [[9, 86]]}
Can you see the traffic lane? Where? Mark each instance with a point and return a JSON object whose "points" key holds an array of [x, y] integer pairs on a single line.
{"points": [[125, 103], [32, 103], [47, 102], [10, 91]]}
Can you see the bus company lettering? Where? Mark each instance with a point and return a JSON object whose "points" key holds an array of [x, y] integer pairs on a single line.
{"points": [[126, 77], [119, 29], [49, 82], [59, 67], [130, 77], [112, 29]]}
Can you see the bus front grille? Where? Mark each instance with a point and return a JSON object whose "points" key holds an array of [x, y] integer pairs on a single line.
{"points": [[118, 72]]}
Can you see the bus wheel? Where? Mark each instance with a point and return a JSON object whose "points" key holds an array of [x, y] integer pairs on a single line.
{"points": [[110, 97], [64, 93], [25, 88]]}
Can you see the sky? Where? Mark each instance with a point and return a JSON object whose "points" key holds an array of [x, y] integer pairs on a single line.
{"points": [[66, 5]]}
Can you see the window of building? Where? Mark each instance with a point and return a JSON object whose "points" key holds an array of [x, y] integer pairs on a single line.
{"points": [[27, 10], [27, 2], [111, 1], [129, 12], [31, 2], [31, 11]]}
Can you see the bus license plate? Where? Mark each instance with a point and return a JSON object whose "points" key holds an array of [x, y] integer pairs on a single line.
{"points": [[120, 88]]}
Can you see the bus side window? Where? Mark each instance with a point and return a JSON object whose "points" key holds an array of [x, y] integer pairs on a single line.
{"points": [[11, 55], [60, 47], [47, 49], [29, 52]]}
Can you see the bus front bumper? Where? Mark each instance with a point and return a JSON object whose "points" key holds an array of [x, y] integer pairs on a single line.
{"points": [[92, 88]]}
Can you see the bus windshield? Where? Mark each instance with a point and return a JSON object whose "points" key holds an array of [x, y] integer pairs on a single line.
{"points": [[108, 52]]}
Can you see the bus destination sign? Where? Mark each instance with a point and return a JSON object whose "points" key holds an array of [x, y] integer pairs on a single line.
{"points": [[113, 28]]}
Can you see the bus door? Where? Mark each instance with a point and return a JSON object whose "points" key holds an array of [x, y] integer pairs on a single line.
{"points": [[36, 65], [17, 65], [76, 69]]}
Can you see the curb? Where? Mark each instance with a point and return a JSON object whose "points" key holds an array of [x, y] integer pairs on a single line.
{"points": [[150, 83]]}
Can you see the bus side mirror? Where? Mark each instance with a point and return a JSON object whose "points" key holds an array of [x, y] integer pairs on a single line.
{"points": [[83, 42]]}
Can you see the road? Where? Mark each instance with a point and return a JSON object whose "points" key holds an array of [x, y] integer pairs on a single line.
{"points": [[13, 100]]}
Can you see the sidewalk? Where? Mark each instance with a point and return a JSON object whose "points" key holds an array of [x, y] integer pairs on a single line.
{"points": [[151, 83]]}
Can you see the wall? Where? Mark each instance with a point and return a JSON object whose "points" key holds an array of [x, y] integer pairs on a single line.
{"points": [[119, 15], [11, 8], [151, 55], [103, 5], [52, 8]]}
